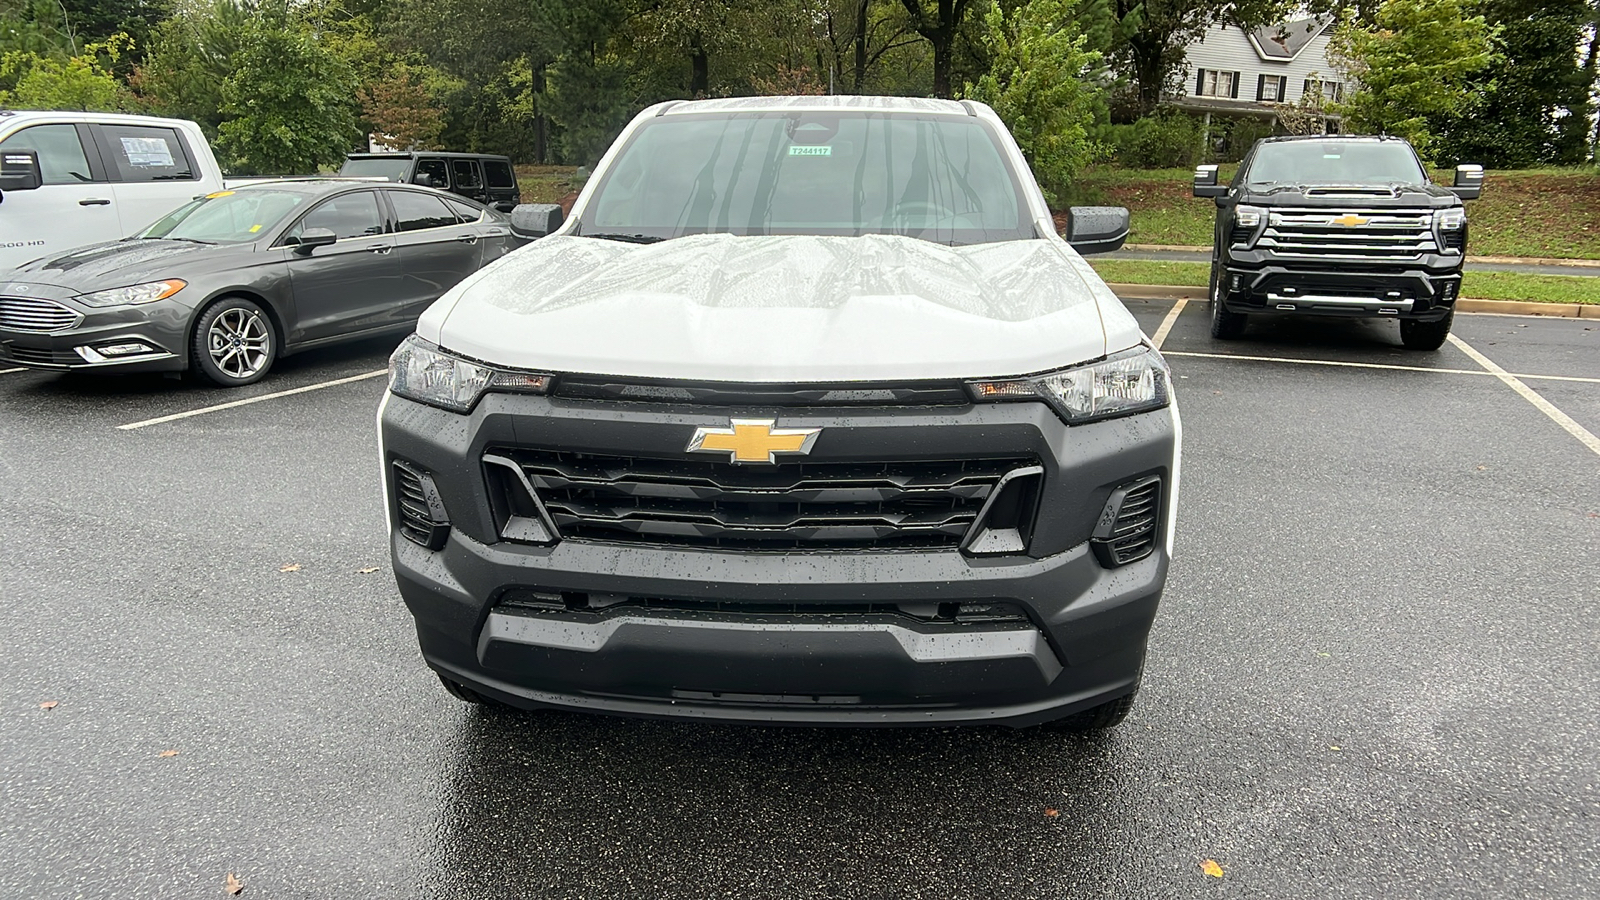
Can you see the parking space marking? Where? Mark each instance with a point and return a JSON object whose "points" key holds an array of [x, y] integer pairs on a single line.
{"points": [[9, 371], [249, 400], [1362, 365], [1529, 394], [1166, 324]]}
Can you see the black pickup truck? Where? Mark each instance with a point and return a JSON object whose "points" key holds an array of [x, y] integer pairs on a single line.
{"points": [[1338, 225]]}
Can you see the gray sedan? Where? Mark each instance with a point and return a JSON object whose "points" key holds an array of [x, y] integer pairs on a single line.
{"points": [[233, 280]]}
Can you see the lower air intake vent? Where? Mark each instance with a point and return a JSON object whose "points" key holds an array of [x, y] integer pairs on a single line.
{"points": [[1129, 524], [418, 507]]}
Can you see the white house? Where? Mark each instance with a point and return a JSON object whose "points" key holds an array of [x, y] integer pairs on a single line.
{"points": [[1238, 72]]}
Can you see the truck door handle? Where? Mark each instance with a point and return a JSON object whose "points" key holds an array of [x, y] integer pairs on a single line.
{"points": [[94, 201]]}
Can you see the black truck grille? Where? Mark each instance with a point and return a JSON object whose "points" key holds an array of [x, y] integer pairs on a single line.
{"points": [[1357, 234], [811, 505]]}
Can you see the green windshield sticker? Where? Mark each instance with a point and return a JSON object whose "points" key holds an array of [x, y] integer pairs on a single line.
{"points": [[802, 150]]}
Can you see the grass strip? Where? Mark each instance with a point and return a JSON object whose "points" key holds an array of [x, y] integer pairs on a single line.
{"points": [[1477, 285]]}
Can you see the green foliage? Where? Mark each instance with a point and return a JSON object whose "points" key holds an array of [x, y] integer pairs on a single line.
{"points": [[190, 57], [80, 82], [289, 101], [1039, 83], [1416, 62], [1167, 139]]}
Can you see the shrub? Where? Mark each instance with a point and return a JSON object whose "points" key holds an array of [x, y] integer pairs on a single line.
{"points": [[1167, 139]]}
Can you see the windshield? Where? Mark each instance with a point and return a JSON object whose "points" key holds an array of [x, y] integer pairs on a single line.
{"points": [[940, 178], [226, 217], [390, 168], [1335, 162]]}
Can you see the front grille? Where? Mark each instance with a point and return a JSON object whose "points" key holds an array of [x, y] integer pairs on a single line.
{"points": [[1324, 234], [28, 314], [36, 355], [810, 505], [581, 603], [1128, 529], [584, 387]]}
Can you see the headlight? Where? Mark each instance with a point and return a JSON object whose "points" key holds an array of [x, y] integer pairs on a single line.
{"points": [[139, 293], [425, 373], [1248, 216], [1123, 384], [1452, 219]]}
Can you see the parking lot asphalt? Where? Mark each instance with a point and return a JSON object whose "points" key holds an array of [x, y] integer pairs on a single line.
{"points": [[1373, 675]]}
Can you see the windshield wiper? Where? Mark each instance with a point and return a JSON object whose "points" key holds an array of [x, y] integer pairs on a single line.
{"points": [[626, 238], [186, 240]]}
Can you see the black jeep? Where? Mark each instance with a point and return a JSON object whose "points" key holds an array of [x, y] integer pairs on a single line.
{"points": [[1338, 225], [485, 178]]}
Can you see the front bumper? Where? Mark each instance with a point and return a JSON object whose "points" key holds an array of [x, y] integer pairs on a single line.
{"points": [[161, 326], [1352, 292], [751, 636]]}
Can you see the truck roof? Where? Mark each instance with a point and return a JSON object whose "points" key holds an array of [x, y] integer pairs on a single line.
{"points": [[8, 116], [1325, 138], [808, 103]]}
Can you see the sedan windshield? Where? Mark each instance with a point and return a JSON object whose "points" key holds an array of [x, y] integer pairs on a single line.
{"points": [[940, 178], [226, 217], [1335, 162]]}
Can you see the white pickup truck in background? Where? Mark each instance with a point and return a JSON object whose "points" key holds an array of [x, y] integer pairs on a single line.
{"points": [[73, 178]]}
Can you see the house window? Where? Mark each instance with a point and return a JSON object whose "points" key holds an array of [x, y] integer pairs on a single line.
{"points": [[1331, 91], [1212, 83], [1271, 88]]}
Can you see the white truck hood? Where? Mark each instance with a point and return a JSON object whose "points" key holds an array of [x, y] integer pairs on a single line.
{"points": [[720, 307]]}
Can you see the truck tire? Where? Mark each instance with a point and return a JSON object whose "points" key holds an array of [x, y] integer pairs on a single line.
{"points": [[1225, 326], [234, 343], [1426, 335]]}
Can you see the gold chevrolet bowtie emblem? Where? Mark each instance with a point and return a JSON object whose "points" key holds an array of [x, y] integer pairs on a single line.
{"points": [[1349, 220], [753, 440]]}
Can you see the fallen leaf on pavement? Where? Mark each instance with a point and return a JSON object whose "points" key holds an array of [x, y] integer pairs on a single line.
{"points": [[1211, 868], [1333, 746], [233, 885], [367, 571], [49, 704], [166, 754], [291, 567], [1051, 812]]}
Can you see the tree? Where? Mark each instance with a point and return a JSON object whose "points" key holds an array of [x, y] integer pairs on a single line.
{"points": [[1040, 83], [940, 25], [289, 103], [81, 82], [191, 56], [1415, 63], [400, 108], [1148, 38]]}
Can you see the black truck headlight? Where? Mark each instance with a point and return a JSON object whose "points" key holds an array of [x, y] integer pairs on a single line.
{"points": [[1248, 216], [427, 373], [1122, 384]]}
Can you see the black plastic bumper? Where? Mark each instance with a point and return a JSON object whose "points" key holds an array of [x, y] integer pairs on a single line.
{"points": [[1412, 293], [1082, 641]]}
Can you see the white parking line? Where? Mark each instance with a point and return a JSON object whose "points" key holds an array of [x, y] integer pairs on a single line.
{"points": [[1166, 324], [9, 371], [1362, 365], [246, 402], [1541, 404]]}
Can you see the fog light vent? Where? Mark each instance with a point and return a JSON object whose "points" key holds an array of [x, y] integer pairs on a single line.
{"points": [[419, 508], [1129, 523], [1005, 524]]}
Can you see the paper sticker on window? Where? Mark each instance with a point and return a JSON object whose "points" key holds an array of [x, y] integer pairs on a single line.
{"points": [[147, 152], [802, 150]]}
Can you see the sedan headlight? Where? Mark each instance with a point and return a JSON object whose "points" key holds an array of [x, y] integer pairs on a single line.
{"points": [[134, 294], [426, 373], [1125, 383]]}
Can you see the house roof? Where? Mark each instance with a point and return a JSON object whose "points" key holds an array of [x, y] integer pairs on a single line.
{"points": [[1284, 42]]}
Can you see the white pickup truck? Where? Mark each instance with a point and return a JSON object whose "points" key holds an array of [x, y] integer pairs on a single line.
{"points": [[74, 178]]}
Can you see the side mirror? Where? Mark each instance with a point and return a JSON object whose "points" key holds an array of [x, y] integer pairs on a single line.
{"points": [[504, 206], [19, 170], [530, 221], [422, 179], [1469, 182], [1097, 229], [312, 238], [1205, 182]]}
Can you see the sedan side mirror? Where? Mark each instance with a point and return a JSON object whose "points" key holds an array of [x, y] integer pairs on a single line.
{"points": [[531, 221], [312, 238], [1469, 182], [19, 170], [1205, 182], [1097, 229]]}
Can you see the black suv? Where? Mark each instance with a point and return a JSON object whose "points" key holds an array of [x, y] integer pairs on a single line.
{"points": [[487, 179], [1338, 225]]}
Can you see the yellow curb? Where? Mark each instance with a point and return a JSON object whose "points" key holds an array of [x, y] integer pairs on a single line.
{"points": [[1466, 305]]}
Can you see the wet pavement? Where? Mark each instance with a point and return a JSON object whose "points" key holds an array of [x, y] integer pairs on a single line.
{"points": [[1373, 675]]}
